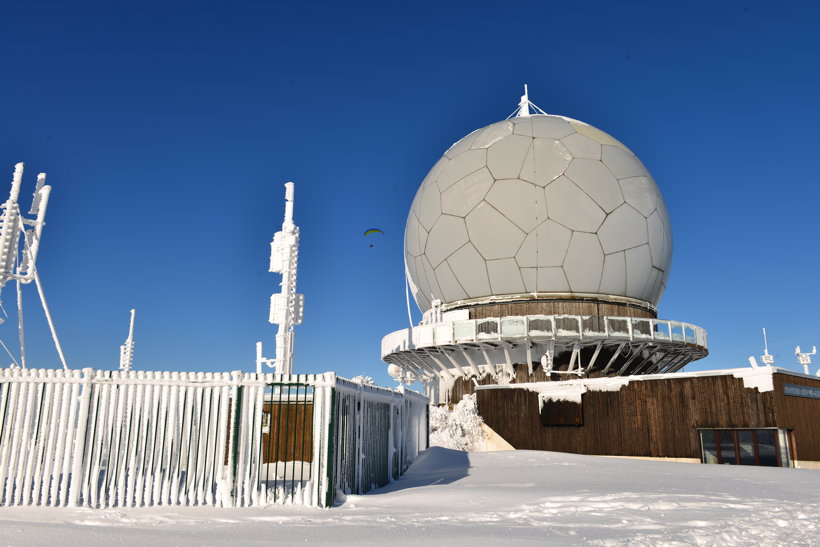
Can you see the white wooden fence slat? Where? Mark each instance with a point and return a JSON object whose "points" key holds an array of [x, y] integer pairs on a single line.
{"points": [[59, 447], [79, 445], [221, 465], [133, 444], [31, 450], [18, 448], [42, 441], [9, 407]]}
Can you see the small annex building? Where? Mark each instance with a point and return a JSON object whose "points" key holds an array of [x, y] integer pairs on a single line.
{"points": [[765, 416]]}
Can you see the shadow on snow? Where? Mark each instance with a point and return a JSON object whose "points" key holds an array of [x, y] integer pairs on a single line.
{"points": [[436, 465]]}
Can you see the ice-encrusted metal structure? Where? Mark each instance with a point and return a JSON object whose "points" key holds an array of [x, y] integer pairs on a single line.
{"points": [[286, 306], [544, 242], [19, 245]]}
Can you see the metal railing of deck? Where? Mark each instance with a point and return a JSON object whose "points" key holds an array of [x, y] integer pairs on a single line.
{"points": [[544, 327]]}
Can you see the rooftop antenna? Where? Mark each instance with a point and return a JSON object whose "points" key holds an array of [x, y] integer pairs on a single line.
{"points": [[22, 267], [286, 307], [127, 349], [804, 358], [767, 359], [523, 110]]}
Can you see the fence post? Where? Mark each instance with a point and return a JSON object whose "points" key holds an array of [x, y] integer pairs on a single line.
{"points": [[426, 426], [391, 441], [236, 424], [79, 439], [359, 413], [330, 487]]}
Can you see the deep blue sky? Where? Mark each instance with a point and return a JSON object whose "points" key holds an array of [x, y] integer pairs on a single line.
{"points": [[167, 130]]}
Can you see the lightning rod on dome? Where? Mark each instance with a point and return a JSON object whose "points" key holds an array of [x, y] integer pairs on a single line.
{"points": [[286, 307], [523, 110]]}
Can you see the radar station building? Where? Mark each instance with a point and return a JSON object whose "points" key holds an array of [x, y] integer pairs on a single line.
{"points": [[538, 249]]}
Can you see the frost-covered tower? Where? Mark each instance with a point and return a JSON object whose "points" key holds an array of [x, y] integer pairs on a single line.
{"points": [[286, 306], [538, 249]]}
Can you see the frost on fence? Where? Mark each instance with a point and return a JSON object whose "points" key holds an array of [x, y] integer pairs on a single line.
{"points": [[377, 433], [101, 439], [129, 439]]}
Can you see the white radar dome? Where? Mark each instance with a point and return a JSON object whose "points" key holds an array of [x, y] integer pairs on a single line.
{"points": [[537, 207]]}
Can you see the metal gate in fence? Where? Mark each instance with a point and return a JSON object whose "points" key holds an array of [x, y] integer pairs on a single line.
{"points": [[109, 438]]}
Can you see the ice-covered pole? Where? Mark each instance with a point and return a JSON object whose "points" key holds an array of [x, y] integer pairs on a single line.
{"points": [[39, 204], [524, 105], [127, 349], [10, 229], [286, 307], [288, 222], [16, 180]]}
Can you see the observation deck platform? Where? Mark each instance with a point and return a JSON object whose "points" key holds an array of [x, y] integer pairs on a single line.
{"points": [[562, 345]]}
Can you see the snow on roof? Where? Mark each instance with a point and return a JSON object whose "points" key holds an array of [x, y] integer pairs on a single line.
{"points": [[572, 390]]}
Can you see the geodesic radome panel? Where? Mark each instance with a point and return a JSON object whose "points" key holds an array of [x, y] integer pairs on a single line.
{"points": [[538, 204]]}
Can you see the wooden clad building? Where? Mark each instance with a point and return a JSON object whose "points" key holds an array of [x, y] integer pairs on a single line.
{"points": [[765, 416]]}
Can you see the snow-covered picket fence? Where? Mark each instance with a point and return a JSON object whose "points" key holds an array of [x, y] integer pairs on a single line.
{"points": [[109, 438]]}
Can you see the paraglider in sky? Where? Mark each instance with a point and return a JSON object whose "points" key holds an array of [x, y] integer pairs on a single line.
{"points": [[371, 232]]}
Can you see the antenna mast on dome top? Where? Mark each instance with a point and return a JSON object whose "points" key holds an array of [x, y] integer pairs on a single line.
{"points": [[286, 307], [523, 110]]}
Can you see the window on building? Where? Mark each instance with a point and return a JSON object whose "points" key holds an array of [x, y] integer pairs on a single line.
{"points": [[743, 447], [767, 447], [561, 413], [726, 447]]}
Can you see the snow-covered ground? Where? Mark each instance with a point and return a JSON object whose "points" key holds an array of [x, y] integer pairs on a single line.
{"points": [[450, 497]]}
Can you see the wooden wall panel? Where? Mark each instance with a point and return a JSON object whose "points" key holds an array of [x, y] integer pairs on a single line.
{"points": [[558, 307], [291, 433], [657, 418], [801, 414]]}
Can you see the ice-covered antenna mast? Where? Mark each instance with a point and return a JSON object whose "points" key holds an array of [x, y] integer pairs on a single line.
{"points": [[804, 358], [286, 307], [767, 359], [14, 227], [127, 349]]}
